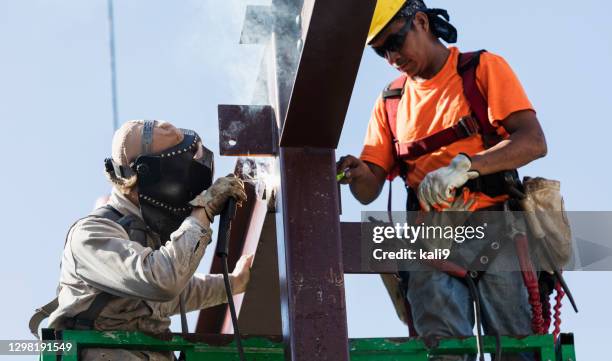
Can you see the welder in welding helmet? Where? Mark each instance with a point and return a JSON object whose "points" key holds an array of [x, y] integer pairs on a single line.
{"points": [[164, 170], [131, 263]]}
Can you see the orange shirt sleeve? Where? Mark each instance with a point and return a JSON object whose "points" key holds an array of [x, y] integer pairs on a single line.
{"points": [[503, 90], [377, 148]]}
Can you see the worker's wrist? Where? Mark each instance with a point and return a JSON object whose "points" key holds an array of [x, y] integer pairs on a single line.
{"points": [[476, 164], [209, 215], [199, 214], [237, 283], [234, 284], [468, 164]]}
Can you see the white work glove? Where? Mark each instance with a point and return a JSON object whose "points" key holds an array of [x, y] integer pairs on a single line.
{"points": [[241, 275], [438, 186], [214, 198]]}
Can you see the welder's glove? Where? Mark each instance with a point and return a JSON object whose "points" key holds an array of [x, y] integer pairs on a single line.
{"points": [[438, 187], [214, 198]]}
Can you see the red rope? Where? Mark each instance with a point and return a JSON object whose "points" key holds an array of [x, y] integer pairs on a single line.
{"points": [[531, 282], [558, 305], [537, 318]]}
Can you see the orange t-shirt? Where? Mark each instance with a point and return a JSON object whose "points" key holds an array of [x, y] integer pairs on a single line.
{"points": [[438, 103]]}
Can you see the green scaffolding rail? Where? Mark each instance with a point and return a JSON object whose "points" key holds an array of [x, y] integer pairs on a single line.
{"points": [[220, 348]]}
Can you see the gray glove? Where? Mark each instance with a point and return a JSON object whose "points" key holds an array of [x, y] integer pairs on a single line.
{"points": [[214, 198]]}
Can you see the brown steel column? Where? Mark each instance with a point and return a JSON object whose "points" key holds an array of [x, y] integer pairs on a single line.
{"points": [[314, 313], [310, 255]]}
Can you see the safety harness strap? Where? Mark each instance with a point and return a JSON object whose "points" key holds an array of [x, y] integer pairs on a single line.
{"points": [[391, 96], [396, 92], [466, 67], [40, 314], [467, 126], [108, 212], [477, 123], [85, 320]]}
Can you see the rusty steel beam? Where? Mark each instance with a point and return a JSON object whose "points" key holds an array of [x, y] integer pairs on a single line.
{"points": [[260, 304], [353, 248], [314, 310], [244, 239], [310, 250], [326, 75], [253, 232], [263, 285], [247, 130]]}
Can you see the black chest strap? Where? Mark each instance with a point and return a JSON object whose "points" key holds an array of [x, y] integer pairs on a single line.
{"points": [[137, 232], [133, 226]]}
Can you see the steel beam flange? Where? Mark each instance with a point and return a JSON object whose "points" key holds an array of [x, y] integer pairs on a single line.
{"points": [[247, 130]]}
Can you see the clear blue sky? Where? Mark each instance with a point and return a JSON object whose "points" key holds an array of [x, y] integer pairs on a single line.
{"points": [[176, 60]]}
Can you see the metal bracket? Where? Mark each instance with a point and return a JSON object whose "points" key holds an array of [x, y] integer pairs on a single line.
{"points": [[246, 130]]}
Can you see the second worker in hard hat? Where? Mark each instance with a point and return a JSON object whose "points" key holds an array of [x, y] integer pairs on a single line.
{"points": [[452, 125]]}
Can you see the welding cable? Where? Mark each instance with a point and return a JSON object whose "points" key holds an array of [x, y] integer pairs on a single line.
{"points": [[498, 348], [474, 293], [184, 327], [222, 251], [230, 301], [476, 298]]}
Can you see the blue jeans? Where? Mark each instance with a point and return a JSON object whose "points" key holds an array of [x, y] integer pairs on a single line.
{"points": [[442, 306]]}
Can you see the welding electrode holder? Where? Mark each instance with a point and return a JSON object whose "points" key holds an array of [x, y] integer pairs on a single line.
{"points": [[225, 226], [222, 251]]}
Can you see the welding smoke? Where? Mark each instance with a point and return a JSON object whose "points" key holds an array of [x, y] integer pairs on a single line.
{"points": [[212, 42], [251, 72]]}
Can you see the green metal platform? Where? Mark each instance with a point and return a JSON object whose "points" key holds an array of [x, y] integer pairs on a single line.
{"points": [[222, 347]]}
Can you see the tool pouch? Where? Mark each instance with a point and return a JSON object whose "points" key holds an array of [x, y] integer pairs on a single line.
{"points": [[547, 221]]}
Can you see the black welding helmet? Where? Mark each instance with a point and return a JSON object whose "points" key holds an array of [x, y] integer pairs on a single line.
{"points": [[169, 179], [175, 175]]}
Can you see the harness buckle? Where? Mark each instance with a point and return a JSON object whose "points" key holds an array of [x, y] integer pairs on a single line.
{"points": [[469, 125]]}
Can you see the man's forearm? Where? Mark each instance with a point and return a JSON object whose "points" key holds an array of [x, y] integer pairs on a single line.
{"points": [[366, 188], [201, 292], [525, 144], [366, 179], [508, 154]]}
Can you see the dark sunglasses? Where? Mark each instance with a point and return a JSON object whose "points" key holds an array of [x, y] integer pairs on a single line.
{"points": [[395, 41]]}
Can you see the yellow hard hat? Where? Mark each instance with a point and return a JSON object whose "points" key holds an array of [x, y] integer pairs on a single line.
{"points": [[383, 13]]}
